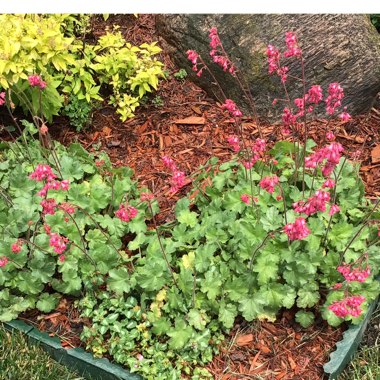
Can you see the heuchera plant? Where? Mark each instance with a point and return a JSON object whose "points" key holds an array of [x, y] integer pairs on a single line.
{"points": [[276, 227]]}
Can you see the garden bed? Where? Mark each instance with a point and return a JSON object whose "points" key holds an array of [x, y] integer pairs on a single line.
{"points": [[185, 124], [282, 350]]}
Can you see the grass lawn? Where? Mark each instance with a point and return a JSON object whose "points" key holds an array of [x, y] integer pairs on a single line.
{"points": [[19, 361]]}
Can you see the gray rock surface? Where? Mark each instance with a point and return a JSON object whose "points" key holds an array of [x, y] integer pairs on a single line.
{"points": [[336, 48]]}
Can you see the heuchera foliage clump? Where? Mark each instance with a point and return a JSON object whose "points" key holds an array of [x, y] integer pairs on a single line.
{"points": [[286, 226]]}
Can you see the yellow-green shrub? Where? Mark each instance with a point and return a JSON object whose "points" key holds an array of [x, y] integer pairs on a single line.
{"points": [[46, 45]]}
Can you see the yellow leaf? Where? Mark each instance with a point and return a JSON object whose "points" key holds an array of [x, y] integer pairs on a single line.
{"points": [[188, 260]]}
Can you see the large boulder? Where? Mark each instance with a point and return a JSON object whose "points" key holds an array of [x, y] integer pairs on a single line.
{"points": [[336, 48]]}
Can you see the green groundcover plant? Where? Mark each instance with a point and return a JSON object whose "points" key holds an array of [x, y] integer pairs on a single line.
{"points": [[276, 227]]}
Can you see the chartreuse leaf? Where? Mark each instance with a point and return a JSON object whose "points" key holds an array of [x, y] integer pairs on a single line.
{"points": [[308, 296], [197, 319], [47, 302], [119, 281], [211, 283], [340, 234], [271, 220], [305, 318], [28, 284], [161, 326], [189, 218], [179, 335], [71, 285], [70, 168], [203, 256], [266, 267], [251, 306], [227, 314]]}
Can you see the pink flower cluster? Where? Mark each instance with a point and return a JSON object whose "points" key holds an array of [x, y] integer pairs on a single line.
{"points": [[48, 206], [330, 153], [334, 98], [54, 185], [258, 148], [43, 172], [58, 242], [178, 177], [219, 57], [334, 209], [329, 183], [3, 261], [314, 95], [292, 45], [193, 57], [2, 98], [67, 208], [16, 247], [232, 108], [297, 230], [347, 306], [345, 116], [314, 204], [288, 118], [126, 212], [36, 81], [234, 142], [355, 274], [273, 56], [269, 183], [247, 198]]}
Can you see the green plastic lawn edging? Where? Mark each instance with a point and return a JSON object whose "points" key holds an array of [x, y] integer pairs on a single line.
{"points": [[347, 347], [76, 359]]}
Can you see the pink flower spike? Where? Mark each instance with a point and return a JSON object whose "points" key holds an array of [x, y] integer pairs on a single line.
{"points": [[126, 213], [48, 206], [43, 172], [234, 142], [65, 184], [329, 183], [354, 274], [334, 209], [297, 230], [347, 306], [215, 41], [61, 258], [193, 56], [273, 59], [16, 247], [344, 115], [2, 98], [269, 183], [36, 81], [58, 242], [330, 136], [245, 198], [315, 94], [333, 100], [291, 43], [231, 107], [3, 261]]}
